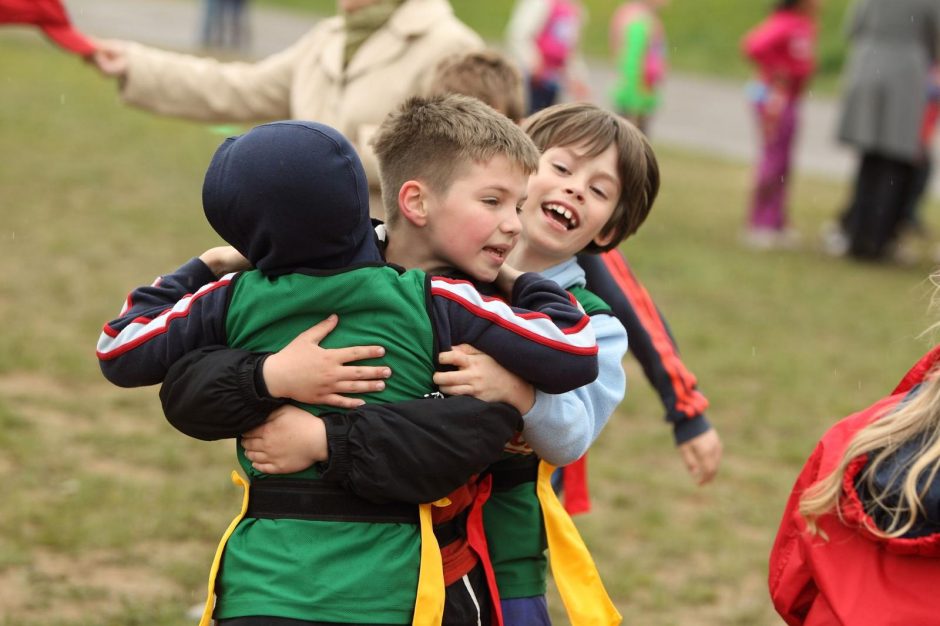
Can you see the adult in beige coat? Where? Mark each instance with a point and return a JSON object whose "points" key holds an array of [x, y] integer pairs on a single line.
{"points": [[312, 79]]}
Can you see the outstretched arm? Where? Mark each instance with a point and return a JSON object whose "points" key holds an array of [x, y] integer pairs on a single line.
{"points": [[610, 277], [200, 88]]}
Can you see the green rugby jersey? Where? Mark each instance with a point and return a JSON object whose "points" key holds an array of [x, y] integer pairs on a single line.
{"points": [[323, 570]]}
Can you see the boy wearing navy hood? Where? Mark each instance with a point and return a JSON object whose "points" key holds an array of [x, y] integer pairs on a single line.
{"points": [[292, 198]]}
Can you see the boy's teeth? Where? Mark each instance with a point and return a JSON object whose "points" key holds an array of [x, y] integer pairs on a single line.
{"points": [[566, 213]]}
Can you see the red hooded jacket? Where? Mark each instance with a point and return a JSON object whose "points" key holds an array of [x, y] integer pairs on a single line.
{"points": [[856, 577]]}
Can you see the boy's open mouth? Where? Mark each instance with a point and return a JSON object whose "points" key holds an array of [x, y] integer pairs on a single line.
{"points": [[499, 252], [561, 215]]}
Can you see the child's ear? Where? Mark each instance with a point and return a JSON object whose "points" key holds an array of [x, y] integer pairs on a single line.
{"points": [[602, 239], [411, 202]]}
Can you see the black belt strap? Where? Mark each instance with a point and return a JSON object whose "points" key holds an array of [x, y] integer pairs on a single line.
{"points": [[300, 498], [285, 498], [515, 471]]}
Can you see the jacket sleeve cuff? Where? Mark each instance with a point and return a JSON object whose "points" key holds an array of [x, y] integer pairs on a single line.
{"points": [[337, 467], [251, 384], [690, 428], [198, 272]]}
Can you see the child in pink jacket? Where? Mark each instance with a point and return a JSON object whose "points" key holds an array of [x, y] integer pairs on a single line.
{"points": [[782, 49]]}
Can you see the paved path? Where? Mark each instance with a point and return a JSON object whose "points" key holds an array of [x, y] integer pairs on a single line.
{"points": [[702, 114]]}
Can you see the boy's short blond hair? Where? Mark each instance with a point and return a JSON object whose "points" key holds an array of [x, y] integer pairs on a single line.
{"points": [[484, 74], [433, 139], [588, 126]]}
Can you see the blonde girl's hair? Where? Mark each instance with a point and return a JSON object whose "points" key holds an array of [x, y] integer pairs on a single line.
{"points": [[915, 422], [582, 124]]}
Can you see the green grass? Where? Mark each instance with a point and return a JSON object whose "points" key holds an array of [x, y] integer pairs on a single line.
{"points": [[111, 517], [703, 37]]}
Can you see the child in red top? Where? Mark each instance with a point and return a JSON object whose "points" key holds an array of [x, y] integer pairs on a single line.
{"points": [[782, 48], [859, 542]]}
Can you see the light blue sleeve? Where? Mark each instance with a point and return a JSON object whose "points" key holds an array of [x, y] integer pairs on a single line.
{"points": [[560, 428]]}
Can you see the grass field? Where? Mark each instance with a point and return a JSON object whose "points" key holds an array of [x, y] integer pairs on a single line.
{"points": [[110, 517], [702, 36]]}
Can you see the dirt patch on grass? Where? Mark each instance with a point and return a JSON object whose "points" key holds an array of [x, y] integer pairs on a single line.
{"points": [[24, 384], [81, 453], [55, 588]]}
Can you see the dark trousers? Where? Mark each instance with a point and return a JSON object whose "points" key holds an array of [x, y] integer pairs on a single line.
{"points": [[915, 196], [224, 25], [872, 219]]}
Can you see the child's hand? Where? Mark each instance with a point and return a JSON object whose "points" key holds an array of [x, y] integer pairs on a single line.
{"points": [[305, 372], [702, 455], [480, 376], [289, 441], [110, 57], [224, 259], [506, 279]]}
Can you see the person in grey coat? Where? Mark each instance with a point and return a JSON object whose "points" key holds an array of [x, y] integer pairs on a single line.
{"points": [[893, 46]]}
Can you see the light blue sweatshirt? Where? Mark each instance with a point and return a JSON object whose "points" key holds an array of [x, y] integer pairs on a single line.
{"points": [[560, 428]]}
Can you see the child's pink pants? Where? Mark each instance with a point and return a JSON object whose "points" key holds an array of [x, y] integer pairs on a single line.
{"points": [[768, 205]]}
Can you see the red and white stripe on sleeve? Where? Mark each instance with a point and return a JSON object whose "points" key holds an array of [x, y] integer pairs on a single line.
{"points": [[568, 330]]}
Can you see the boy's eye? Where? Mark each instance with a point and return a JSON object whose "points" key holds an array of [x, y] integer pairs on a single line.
{"points": [[561, 168], [491, 201]]}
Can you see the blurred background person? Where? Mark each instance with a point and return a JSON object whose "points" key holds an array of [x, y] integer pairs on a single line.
{"points": [[224, 25], [348, 72], [913, 234], [782, 48], [638, 45], [893, 47], [543, 36]]}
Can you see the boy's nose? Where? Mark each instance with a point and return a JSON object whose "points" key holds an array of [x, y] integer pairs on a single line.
{"points": [[512, 224], [571, 191]]}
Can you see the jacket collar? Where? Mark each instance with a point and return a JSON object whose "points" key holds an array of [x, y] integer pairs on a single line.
{"points": [[920, 370], [411, 20], [852, 507]]}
